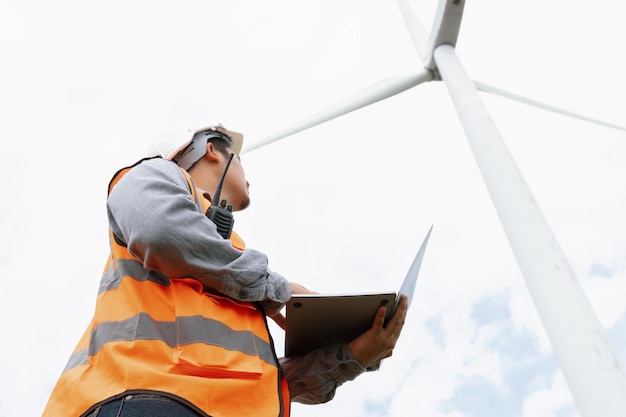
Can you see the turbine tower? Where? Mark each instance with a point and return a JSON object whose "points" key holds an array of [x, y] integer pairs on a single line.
{"points": [[591, 368]]}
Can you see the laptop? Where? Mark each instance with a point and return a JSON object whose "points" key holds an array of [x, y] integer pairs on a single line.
{"points": [[317, 320]]}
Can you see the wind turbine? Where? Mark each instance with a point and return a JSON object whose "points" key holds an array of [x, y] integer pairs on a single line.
{"points": [[590, 366]]}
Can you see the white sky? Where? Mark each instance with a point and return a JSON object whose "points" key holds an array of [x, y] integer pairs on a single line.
{"points": [[340, 207]]}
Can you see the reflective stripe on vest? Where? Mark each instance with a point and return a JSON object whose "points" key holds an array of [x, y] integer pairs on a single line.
{"points": [[189, 330]]}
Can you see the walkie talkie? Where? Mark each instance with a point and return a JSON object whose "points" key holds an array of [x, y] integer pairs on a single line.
{"points": [[220, 212]]}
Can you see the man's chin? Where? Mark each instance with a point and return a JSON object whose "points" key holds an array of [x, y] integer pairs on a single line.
{"points": [[244, 205]]}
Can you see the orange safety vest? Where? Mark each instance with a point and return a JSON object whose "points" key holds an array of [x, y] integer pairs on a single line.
{"points": [[170, 337]]}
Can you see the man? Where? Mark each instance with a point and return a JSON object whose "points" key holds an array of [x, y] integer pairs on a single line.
{"points": [[180, 325]]}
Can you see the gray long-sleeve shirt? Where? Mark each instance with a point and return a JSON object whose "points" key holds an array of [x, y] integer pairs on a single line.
{"points": [[152, 211]]}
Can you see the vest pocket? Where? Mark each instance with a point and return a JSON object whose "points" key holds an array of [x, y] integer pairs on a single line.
{"points": [[215, 362], [219, 342]]}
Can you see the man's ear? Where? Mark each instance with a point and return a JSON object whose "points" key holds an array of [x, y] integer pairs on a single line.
{"points": [[212, 153]]}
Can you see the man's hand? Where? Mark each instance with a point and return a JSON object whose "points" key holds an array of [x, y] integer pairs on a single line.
{"points": [[279, 318], [299, 289], [378, 342]]}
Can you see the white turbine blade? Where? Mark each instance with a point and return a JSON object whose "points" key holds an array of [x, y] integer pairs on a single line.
{"points": [[416, 30], [379, 91], [493, 90]]}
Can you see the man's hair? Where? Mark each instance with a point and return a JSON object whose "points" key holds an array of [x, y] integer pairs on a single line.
{"points": [[221, 143]]}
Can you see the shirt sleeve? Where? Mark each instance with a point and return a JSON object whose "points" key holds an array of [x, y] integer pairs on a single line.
{"points": [[314, 377], [152, 211]]}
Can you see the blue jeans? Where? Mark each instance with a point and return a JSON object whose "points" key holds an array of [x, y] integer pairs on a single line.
{"points": [[143, 405]]}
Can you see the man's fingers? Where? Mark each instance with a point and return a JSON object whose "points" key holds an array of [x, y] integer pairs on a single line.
{"points": [[400, 314], [300, 289], [280, 320], [394, 327], [379, 320]]}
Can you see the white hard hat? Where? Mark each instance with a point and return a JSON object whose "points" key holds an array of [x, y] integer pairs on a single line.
{"points": [[171, 144]]}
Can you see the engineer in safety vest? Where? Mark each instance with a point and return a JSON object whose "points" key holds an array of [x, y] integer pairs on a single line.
{"points": [[179, 328]]}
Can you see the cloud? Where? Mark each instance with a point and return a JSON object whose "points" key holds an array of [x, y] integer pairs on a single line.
{"points": [[551, 399]]}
